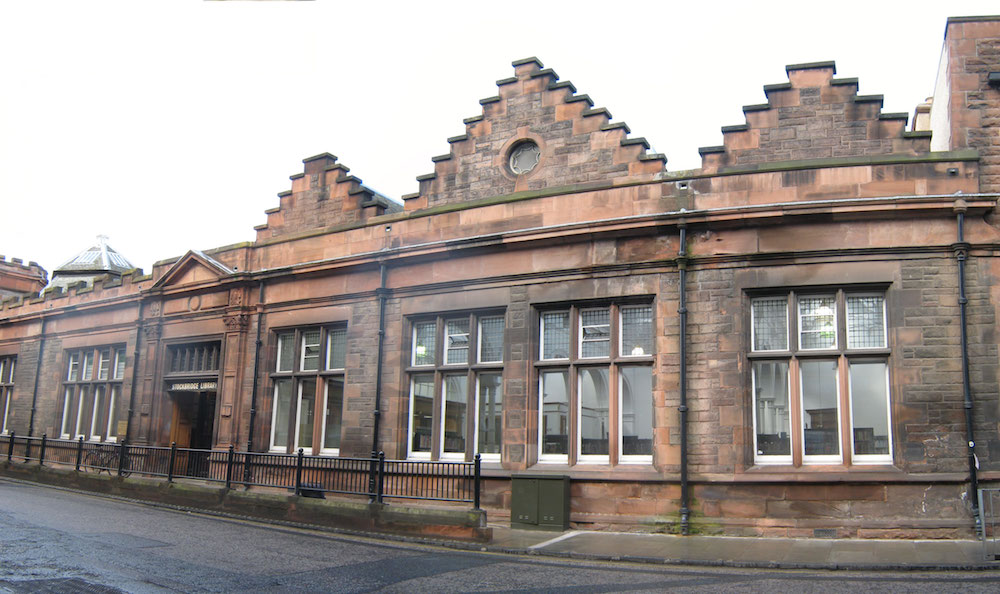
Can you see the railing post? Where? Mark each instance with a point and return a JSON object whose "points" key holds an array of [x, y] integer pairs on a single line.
{"points": [[476, 482], [122, 456], [298, 472], [79, 453], [381, 476], [41, 452], [229, 467], [170, 465], [10, 447]]}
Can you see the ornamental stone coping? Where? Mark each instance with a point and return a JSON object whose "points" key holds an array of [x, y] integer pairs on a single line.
{"points": [[812, 65]]}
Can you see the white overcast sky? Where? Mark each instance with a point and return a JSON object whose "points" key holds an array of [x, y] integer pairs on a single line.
{"points": [[172, 125]]}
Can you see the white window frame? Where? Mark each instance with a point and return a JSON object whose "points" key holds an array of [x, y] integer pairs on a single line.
{"points": [[836, 320], [580, 339], [326, 406], [817, 459], [103, 365], [112, 402], [274, 416], [94, 414], [582, 458], [410, 454], [484, 457], [631, 458], [764, 460], [554, 458], [85, 375], [443, 455], [447, 342], [73, 367], [879, 459], [328, 366], [299, 383], [68, 393], [119, 358], [280, 351], [79, 412], [302, 353], [7, 368]]}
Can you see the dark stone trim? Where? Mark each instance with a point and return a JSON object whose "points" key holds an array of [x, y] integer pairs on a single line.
{"points": [[735, 128], [440, 158], [844, 81], [473, 119], [563, 84], [336, 166], [546, 72], [812, 66], [633, 141], [616, 126], [917, 134], [529, 60], [711, 150], [274, 210], [583, 97], [296, 176], [757, 107], [869, 99], [285, 193], [458, 138], [506, 81], [653, 157], [596, 111], [426, 177], [493, 99], [786, 86], [320, 156]]}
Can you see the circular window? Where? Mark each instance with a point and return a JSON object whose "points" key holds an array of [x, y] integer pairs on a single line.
{"points": [[524, 157]]}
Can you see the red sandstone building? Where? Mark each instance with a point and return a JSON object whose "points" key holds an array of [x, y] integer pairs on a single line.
{"points": [[780, 342]]}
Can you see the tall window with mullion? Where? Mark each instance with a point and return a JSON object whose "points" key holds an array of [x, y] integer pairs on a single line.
{"points": [[595, 391], [803, 385], [456, 387], [90, 401], [308, 392], [7, 365]]}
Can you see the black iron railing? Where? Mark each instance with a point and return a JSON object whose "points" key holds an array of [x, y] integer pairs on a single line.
{"points": [[376, 478]]}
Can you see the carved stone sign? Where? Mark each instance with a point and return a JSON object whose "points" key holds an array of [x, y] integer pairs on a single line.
{"points": [[192, 386]]}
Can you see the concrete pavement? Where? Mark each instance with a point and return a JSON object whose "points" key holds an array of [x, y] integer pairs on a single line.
{"points": [[785, 553]]}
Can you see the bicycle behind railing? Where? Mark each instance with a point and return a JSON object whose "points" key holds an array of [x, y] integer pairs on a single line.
{"points": [[376, 477]]}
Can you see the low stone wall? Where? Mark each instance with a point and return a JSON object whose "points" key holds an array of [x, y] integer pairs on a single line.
{"points": [[358, 515]]}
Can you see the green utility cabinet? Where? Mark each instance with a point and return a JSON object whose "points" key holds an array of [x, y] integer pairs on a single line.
{"points": [[539, 501]]}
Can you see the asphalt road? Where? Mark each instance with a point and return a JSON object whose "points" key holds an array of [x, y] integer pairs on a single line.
{"points": [[60, 541]]}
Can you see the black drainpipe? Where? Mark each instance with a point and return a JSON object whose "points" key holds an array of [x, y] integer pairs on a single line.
{"points": [[34, 391], [135, 374], [682, 408], [377, 413], [256, 369], [961, 249]]}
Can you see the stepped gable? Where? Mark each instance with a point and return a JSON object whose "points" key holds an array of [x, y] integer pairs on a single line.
{"points": [[578, 143], [324, 194], [813, 116]]}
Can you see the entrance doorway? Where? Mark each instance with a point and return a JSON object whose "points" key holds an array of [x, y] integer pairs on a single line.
{"points": [[192, 426]]}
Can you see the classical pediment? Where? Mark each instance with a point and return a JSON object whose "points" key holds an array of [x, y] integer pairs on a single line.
{"points": [[193, 268]]}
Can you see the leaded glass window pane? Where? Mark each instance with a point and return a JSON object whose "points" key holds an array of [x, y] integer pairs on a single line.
{"points": [[817, 323], [491, 339], [286, 351], [119, 363], [88, 366], [74, 367], [104, 365], [865, 322], [457, 341], [770, 324], [637, 331], [595, 333], [424, 338], [336, 349], [555, 335], [771, 408]]}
